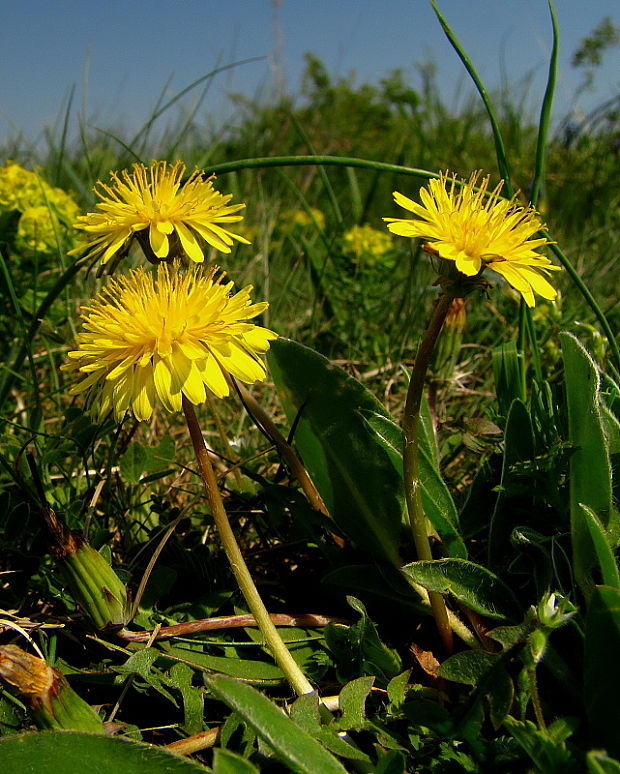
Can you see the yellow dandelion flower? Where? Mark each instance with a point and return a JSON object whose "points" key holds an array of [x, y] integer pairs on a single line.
{"points": [[145, 338], [169, 218], [478, 229]]}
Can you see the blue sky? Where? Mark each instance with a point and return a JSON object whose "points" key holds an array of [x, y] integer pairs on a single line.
{"points": [[124, 55]]}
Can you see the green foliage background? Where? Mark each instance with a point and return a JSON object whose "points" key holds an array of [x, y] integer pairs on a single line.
{"points": [[521, 453]]}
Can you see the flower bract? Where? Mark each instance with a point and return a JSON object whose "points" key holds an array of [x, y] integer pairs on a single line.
{"points": [[171, 218], [147, 338], [476, 228]]}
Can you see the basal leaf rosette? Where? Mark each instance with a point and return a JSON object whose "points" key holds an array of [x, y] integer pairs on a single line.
{"points": [[156, 337]]}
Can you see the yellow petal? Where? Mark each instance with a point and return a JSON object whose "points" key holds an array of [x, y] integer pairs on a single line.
{"points": [[240, 364], [194, 387], [404, 228], [159, 242], [166, 386], [516, 279], [144, 394], [212, 376], [258, 338], [403, 201], [189, 243]]}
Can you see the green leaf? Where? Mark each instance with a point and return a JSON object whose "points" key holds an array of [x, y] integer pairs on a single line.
{"points": [[133, 462], [139, 459], [317, 721], [344, 457], [291, 745], [487, 672], [602, 668], [357, 648], [305, 712], [227, 762], [352, 702], [599, 763], [473, 585], [436, 498], [518, 448], [140, 663], [548, 755], [67, 752], [391, 762], [590, 466], [180, 677], [398, 688], [468, 667], [160, 456], [600, 541], [236, 666]]}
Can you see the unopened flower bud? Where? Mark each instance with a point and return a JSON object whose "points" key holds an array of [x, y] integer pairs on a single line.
{"points": [[54, 704]]}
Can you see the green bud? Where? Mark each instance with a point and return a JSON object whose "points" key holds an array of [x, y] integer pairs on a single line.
{"points": [[96, 587]]}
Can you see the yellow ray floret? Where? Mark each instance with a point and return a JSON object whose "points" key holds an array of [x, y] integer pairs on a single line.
{"points": [[477, 229], [147, 338], [177, 217]]}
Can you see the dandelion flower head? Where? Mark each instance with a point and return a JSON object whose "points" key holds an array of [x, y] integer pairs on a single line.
{"points": [[477, 229], [146, 338], [169, 217]]}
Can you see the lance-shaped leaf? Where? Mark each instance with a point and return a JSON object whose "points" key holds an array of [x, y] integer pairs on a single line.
{"points": [[345, 457], [590, 464], [293, 746], [62, 752]]}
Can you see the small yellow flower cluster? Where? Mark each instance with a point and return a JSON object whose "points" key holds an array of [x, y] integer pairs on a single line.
{"points": [[291, 221], [44, 213], [367, 245]]}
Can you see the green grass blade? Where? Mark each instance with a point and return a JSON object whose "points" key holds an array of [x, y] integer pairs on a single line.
{"points": [[264, 162], [11, 371], [600, 540], [545, 113], [500, 150]]}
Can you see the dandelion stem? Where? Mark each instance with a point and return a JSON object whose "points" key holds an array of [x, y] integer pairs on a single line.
{"points": [[279, 651], [411, 458]]}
